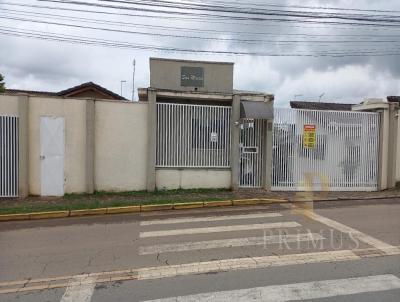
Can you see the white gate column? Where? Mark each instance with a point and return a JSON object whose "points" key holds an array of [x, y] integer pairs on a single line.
{"points": [[387, 139]]}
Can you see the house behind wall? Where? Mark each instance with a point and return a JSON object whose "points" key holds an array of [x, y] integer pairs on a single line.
{"points": [[111, 145]]}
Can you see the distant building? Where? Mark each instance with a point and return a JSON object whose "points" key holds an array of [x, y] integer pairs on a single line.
{"points": [[320, 106], [85, 90]]}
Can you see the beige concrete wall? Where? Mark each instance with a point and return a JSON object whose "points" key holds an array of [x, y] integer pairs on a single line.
{"points": [[120, 146], [9, 105], [166, 74], [193, 179], [74, 112]]}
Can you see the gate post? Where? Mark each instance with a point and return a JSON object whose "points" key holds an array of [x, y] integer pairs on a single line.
{"points": [[23, 145], [151, 139], [268, 149], [235, 145], [387, 137]]}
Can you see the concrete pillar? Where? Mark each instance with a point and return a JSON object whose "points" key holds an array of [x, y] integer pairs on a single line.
{"points": [[387, 140], [23, 168], [398, 149], [151, 139], [392, 152], [268, 155], [383, 150], [235, 142], [90, 137]]}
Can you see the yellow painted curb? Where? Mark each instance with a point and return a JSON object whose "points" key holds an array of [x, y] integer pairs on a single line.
{"points": [[222, 203], [76, 213], [121, 210], [191, 205], [156, 207], [9, 217], [46, 215], [245, 202], [271, 201], [140, 208]]}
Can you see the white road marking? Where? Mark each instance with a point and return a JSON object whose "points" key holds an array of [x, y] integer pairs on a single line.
{"points": [[346, 229], [298, 291], [243, 263], [79, 289], [210, 218], [212, 210], [236, 242], [192, 268], [245, 227]]}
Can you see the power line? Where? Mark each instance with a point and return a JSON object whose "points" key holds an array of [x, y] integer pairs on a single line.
{"points": [[165, 35], [372, 22], [247, 9], [200, 19], [80, 40], [184, 29]]}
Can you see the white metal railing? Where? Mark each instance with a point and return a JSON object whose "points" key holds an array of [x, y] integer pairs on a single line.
{"points": [[193, 136], [8, 156], [344, 157]]}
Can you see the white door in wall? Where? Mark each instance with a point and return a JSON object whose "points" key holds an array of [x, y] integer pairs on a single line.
{"points": [[52, 156]]}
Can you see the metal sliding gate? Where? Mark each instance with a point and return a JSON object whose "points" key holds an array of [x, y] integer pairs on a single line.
{"points": [[251, 153], [8, 156], [193, 136], [325, 150]]}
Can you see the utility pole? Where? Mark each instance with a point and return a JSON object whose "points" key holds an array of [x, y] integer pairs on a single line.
{"points": [[133, 80], [123, 81], [320, 97]]}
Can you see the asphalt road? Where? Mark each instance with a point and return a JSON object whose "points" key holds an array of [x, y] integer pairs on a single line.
{"points": [[340, 251]]}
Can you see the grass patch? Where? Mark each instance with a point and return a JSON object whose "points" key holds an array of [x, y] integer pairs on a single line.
{"points": [[120, 199]]}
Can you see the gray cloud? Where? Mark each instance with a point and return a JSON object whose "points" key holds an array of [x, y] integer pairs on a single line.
{"points": [[32, 64]]}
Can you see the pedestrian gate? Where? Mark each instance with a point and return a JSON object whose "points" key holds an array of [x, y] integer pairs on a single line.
{"points": [[8, 156], [325, 150], [251, 153]]}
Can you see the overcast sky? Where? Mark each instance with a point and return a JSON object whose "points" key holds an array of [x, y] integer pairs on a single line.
{"points": [[52, 66]]}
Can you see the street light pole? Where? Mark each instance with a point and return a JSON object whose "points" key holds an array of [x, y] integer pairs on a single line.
{"points": [[133, 80], [123, 81]]}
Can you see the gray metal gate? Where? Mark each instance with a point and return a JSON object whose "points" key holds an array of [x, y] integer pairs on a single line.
{"points": [[251, 153], [325, 150], [8, 156]]}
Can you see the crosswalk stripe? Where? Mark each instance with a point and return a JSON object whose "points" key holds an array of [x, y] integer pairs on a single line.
{"points": [[79, 289], [207, 210], [209, 218], [273, 225], [244, 263], [346, 229], [224, 265], [236, 242], [298, 291]]}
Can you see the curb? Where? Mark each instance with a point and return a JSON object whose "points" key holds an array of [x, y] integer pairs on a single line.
{"points": [[166, 207], [137, 209]]}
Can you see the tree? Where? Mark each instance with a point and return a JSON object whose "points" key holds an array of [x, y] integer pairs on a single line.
{"points": [[2, 84]]}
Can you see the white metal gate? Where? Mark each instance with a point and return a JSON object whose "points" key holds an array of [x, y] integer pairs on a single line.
{"points": [[344, 156], [193, 136], [8, 156], [251, 153]]}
